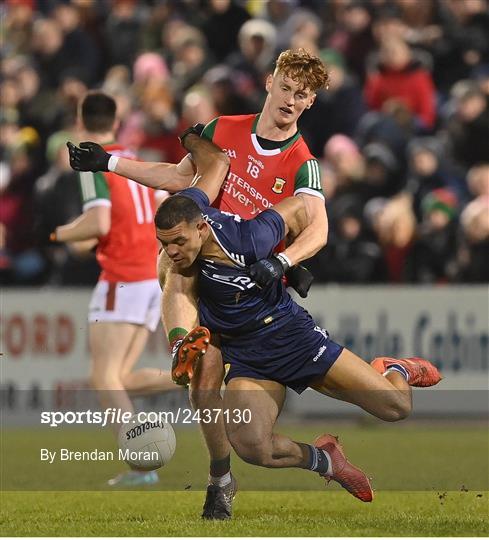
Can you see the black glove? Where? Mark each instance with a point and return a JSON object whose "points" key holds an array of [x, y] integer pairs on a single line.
{"points": [[265, 271], [300, 279], [196, 129], [89, 156]]}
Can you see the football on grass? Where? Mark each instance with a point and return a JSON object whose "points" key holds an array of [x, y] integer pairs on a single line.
{"points": [[146, 446]]}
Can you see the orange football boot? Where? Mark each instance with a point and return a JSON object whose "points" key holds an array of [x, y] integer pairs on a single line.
{"points": [[347, 475], [421, 372], [192, 349]]}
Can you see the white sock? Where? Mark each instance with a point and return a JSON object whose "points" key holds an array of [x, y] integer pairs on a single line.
{"points": [[220, 481]]}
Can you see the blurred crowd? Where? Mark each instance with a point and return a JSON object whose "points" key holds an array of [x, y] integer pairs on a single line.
{"points": [[402, 133]]}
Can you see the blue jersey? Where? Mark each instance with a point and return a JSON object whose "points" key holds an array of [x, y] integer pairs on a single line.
{"points": [[264, 333], [230, 303]]}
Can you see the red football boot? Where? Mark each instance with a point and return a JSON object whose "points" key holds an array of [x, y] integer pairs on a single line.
{"points": [[190, 350], [347, 475], [421, 372]]}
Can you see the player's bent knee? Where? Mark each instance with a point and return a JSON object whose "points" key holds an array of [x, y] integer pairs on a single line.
{"points": [[103, 381], [251, 451], [396, 411]]}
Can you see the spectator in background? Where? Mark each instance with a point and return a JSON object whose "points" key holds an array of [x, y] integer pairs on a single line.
{"points": [[478, 180], [37, 107], [257, 40], [473, 256], [394, 224], [277, 12], [155, 126], [433, 259], [16, 26], [422, 22], [227, 100], [302, 23], [224, 20], [464, 43], [52, 58], [78, 43], [351, 256], [198, 107], [383, 174], [344, 168], [353, 36], [377, 127], [57, 201], [337, 109], [191, 59], [467, 128], [123, 32], [401, 86], [430, 170], [19, 150]]}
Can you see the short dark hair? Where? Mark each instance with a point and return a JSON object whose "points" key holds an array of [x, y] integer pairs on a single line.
{"points": [[98, 112], [176, 209]]}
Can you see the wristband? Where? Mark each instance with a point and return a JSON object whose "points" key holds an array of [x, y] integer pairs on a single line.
{"points": [[112, 164], [176, 333], [286, 262]]}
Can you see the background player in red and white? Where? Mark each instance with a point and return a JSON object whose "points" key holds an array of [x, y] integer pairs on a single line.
{"points": [[269, 161], [125, 305]]}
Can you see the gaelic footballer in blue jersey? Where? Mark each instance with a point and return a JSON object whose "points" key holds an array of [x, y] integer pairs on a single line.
{"points": [[269, 341]]}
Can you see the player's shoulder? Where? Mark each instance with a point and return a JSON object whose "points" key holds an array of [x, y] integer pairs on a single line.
{"points": [[236, 119], [235, 122], [226, 124], [119, 150], [307, 170], [300, 152]]}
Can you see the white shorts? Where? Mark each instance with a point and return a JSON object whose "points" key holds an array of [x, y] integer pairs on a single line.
{"points": [[135, 302]]}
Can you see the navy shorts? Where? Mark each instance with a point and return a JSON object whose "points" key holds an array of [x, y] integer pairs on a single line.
{"points": [[294, 354]]}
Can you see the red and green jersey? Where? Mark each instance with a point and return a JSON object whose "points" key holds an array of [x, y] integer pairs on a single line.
{"points": [[129, 251], [259, 178]]}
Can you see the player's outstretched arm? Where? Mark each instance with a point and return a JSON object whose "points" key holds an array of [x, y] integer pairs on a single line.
{"points": [[93, 223], [211, 162], [172, 177]]}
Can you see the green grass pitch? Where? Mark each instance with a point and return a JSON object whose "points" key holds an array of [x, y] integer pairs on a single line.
{"points": [[430, 480]]}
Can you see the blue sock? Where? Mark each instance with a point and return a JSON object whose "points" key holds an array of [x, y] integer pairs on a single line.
{"points": [[319, 460], [400, 369]]}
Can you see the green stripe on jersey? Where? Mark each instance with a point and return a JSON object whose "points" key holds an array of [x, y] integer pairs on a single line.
{"points": [[93, 186], [209, 129], [309, 176]]}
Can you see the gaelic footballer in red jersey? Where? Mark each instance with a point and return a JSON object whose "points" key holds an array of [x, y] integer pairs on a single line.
{"points": [[128, 251], [125, 306], [253, 184]]}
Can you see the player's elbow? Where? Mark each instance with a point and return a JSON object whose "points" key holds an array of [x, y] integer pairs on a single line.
{"points": [[223, 159], [320, 237], [221, 165], [103, 226], [319, 228], [103, 221]]}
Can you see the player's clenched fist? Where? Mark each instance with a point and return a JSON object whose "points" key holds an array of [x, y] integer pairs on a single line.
{"points": [[265, 271], [89, 156]]}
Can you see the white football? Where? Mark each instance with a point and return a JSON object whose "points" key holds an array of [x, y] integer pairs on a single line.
{"points": [[146, 445]]}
